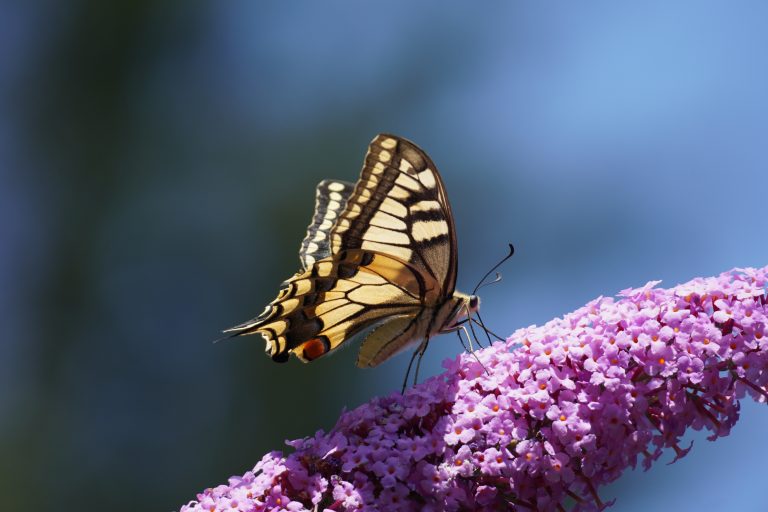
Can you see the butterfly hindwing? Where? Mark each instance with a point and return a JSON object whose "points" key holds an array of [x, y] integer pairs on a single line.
{"points": [[391, 337], [399, 207], [335, 299], [330, 200]]}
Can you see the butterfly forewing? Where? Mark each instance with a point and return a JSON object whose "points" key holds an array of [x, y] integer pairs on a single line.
{"points": [[399, 207]]}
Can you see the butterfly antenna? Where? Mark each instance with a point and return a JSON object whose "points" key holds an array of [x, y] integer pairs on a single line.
{"points": [[481, 323], [481, 284], [489, 283], [511, 252]]}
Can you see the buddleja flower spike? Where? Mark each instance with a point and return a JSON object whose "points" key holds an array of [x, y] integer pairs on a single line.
{"points": [[565, 408]]}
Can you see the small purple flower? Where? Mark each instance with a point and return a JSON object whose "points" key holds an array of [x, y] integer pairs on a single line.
{"points": [[565, 408], [485, 495], [347, 495], [390, 471]]}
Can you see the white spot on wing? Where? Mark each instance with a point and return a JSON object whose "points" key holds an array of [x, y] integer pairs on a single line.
{"points": [[427, 178], [387, 236], [408, 182], [393, 207], [385, 220], [399, 193], [388, 143], [428, 229], [425, 206], [403, 253]]}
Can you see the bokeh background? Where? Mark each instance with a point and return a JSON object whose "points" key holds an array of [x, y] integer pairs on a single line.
{"points": [[157, 172]]}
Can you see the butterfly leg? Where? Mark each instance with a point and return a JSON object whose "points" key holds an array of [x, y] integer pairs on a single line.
{"points": [[408, 371], [469, 338], [471, 348], [419, 352], [474, 334], [469, 320], [461, 340]]}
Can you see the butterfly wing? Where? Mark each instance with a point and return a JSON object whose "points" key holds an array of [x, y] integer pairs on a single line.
{"points": [[330, 200], [399, 207], [335, 299], [388, 339]]}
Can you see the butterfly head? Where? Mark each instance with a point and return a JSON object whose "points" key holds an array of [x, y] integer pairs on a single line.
{"points": [[473, 303], [460, 308], [466, 308]]}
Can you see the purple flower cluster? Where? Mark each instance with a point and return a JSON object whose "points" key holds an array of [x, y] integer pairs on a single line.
{"points": [[546, 419]]}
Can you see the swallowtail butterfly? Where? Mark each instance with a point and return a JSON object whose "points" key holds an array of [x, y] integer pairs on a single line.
{"points": [[380, 253]]}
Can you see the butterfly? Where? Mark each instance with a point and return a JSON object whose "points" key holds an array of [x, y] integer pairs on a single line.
{"points": [[378, 254]]}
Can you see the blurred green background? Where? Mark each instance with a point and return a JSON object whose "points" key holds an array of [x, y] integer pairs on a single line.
{"points": [[157, 172]]}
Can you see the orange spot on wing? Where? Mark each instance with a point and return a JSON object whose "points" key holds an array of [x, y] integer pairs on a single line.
{"points": [[315, 348]]}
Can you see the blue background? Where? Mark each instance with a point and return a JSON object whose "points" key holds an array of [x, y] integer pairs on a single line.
{"points": [[157, 172]]}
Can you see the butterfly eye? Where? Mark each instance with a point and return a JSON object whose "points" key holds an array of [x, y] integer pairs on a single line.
{"points": [[474, 302]]}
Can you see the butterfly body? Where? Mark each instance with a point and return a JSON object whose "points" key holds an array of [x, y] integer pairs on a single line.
{"points": [[380, 254]]}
